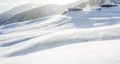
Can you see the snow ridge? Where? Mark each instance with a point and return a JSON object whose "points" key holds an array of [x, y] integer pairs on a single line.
{"points": [[77, 37]]}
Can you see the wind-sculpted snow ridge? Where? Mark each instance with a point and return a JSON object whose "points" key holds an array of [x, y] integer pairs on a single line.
{"points": [[78, 37], [4, 17], [49, 32], [97, 52], [16, 33], [36, 43], [30, 12]]}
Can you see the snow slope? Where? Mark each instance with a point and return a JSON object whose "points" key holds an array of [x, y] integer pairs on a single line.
{"points": [[78, 37], [4, 7], [33, 10], [42, 11], [4, 17], [30, 11], [98, 52]]}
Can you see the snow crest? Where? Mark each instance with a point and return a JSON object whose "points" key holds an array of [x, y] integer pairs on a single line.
{"points": [[87, 37]]}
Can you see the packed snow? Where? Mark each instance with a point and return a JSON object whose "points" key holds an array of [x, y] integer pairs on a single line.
{"points": [[75, 37]]}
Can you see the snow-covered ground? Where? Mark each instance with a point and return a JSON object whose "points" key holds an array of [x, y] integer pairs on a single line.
{"points": [[32, 10], [4, 7], [77, 37], [98, 52]]}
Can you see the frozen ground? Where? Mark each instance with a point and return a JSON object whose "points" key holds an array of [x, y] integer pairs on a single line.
{"points": [[79, 37]]}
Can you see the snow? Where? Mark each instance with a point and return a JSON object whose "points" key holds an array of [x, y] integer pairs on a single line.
{"points": [[77, 37], [30, 11], [4, 17], [98, 52], [4, 7], [42, 11]]}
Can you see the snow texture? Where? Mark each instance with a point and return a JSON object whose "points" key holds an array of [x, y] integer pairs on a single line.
{"points": [[77, 37]]}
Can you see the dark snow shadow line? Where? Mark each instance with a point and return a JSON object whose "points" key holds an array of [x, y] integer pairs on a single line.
{"points": [[19, 24], [16, 42], [20, 40]]}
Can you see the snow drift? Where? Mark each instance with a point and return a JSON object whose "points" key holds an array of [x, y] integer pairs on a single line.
{"points": [[30, 11], [98, 52], [59, 30], [86, 37], [4, 17], [46, 10]]}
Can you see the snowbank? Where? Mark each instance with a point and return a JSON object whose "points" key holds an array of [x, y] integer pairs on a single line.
{"points": [[78, 37]]}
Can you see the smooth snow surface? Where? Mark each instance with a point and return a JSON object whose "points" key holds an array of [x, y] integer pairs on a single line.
{"points": [[6, 16], [4, 7], [78, 37], [30, 12], [98, 52]]}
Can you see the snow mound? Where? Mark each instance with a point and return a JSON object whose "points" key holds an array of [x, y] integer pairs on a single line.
{"points": [[50, 32], [30, 11], [46, 10], [4, 17], [98, 52], [29, 44], [86, 37]]}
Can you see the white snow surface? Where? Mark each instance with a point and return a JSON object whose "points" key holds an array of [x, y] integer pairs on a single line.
{"points": [[78, 37], [4, 7]]}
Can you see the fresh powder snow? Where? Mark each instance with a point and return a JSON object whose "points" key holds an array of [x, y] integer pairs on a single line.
{"points": [[86, 36]]}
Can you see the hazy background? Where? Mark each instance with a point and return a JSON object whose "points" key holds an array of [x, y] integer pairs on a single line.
{"points": [[17, 2], [8, 4]]}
